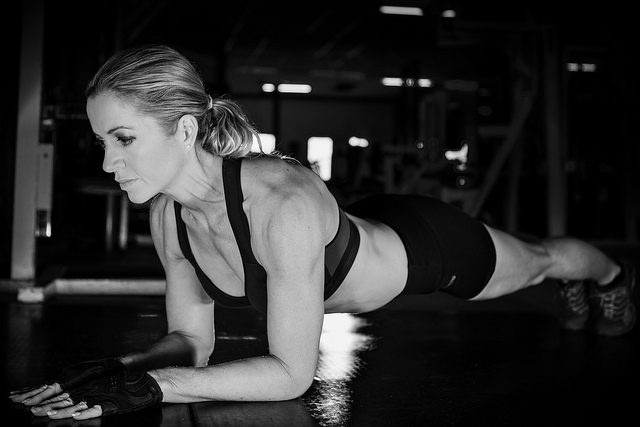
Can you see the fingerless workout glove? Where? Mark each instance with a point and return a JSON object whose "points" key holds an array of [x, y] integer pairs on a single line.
{"points": [[75, 375], [119, 393]]}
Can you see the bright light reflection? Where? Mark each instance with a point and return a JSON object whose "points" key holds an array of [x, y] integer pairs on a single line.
{"points": [[340, 345]]}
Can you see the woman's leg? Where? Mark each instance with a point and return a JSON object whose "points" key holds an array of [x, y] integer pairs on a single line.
{"points": [[520, 264], [581, 269]]}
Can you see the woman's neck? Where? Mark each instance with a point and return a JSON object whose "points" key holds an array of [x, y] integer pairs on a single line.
{"points": [[200, 183]]}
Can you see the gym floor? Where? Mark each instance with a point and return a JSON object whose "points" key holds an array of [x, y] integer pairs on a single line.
{"points": [[430, 360]]}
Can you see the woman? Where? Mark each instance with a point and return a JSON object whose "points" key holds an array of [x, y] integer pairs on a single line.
{"points": [[262, 230]]}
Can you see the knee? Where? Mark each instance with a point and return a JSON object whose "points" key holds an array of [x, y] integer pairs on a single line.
{"points": [[540, 262]]}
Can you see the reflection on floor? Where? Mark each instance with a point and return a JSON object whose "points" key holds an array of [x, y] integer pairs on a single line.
{"points": [[398, 366]]}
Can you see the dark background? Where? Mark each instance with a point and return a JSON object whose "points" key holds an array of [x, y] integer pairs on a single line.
{"points": [[477, 61]]}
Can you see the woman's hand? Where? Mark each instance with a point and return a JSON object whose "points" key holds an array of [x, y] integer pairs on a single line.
{"points": [[118, 393], [47, 399], [32, 396], [62, 406]]}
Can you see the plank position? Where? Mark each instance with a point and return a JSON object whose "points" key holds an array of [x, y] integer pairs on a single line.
{"points": [[241, 229]]}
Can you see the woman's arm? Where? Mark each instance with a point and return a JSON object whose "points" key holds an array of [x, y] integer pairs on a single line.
{"points": [[287, 239], [190, 317], [190, 338]]}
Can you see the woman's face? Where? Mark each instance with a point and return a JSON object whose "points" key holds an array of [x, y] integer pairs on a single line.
{"points": [[143, 159]]}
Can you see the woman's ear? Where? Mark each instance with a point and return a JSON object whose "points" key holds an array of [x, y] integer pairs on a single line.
{"points": [[187, 131]]}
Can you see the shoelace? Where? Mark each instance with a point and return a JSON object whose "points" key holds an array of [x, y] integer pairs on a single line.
{"points": [[614, 303], [575, 296]]}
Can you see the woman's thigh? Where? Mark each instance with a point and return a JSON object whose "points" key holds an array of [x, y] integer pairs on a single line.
{"points": [[519, 264]]}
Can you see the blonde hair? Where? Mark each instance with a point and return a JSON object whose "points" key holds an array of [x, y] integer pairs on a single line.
{"points": [[162, 83]]}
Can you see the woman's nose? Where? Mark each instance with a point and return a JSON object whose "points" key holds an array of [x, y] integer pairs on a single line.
{"points": [[112, 161]]}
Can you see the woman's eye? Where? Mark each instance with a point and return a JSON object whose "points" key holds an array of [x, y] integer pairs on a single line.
{"points": [[100, 143], [125, 140]]}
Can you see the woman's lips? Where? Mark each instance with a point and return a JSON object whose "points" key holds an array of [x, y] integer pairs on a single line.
{"points": [[126, 183]]}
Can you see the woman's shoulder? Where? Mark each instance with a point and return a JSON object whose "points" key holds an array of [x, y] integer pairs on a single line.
{"points": [[278, 176], [277, 190]]}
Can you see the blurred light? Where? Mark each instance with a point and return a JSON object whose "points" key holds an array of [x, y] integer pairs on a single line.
{"points": [[401, 10], [449, 13], [392, 81], [460, 155], [319, 154], [584, 67], [354, 141], [409, 82], [294, 88], [287, 88], [265, 144]]}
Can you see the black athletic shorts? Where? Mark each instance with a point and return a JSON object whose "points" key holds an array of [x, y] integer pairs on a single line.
{"points": [[447, 249]]}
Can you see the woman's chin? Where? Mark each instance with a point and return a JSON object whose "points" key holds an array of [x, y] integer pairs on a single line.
{"points": [[139, 198]]}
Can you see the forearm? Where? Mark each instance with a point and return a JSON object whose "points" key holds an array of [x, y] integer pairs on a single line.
{"points": [[253, 379], [174, 349]]}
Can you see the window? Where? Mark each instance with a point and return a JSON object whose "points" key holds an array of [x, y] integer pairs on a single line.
{"points": [[319, 152], [268, 142]]}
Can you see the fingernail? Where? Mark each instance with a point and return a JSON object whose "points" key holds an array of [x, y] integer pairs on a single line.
{"points": [[75, 414], [26, 400], [36, 409], [51, 412], [63, 396]]}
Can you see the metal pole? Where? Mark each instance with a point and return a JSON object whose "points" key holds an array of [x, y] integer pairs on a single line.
{"points": [[23, 246], [556, 179]]}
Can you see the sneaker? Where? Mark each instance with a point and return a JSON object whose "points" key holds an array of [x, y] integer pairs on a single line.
{"points": [[615, 311], [575, 304]]}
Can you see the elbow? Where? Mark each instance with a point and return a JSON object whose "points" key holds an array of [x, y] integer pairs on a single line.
{"points": [[298, 385], [197, 350], [298, 380], [298, 388], [202, 354]]}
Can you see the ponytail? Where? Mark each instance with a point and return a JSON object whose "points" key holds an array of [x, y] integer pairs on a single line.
{"points": [[226, 130]]}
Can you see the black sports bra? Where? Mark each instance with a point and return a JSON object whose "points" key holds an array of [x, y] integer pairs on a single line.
{"points": [[339, 253]]}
